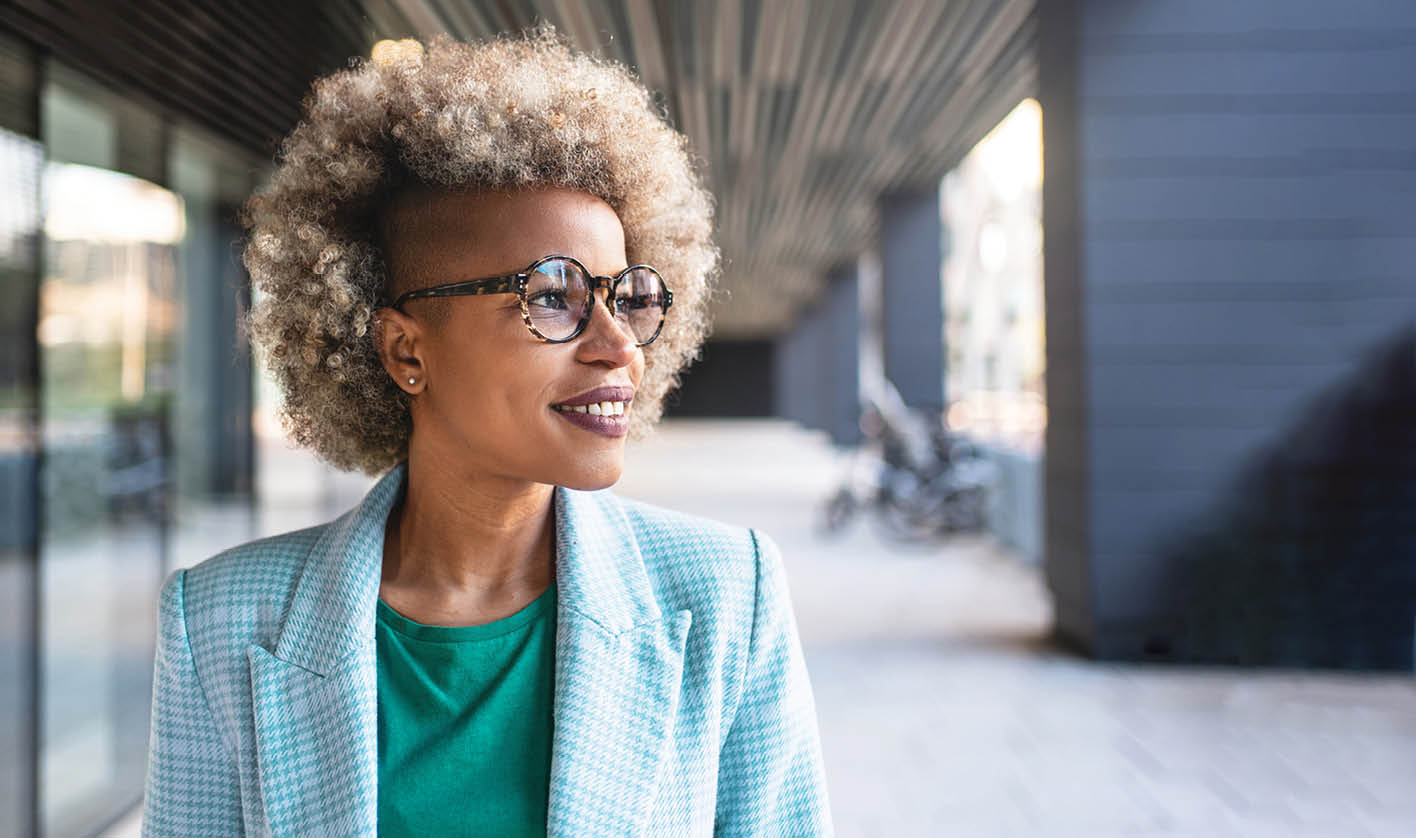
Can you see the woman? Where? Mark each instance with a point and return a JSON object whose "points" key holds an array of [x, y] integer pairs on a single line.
{"points": [[484, 266]]}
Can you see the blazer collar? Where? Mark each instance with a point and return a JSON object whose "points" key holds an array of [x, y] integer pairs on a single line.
{"points": [[316, 692], [599, 571]]}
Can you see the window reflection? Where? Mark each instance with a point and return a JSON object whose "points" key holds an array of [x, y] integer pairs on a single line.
{"points": [[21, 160], [106, 332], [128, 423]]}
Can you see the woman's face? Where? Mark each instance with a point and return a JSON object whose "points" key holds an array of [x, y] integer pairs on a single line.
{"points": [[485, 389]]}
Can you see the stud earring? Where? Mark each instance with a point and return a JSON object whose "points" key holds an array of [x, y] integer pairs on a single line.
{"points": [[410, 381]]}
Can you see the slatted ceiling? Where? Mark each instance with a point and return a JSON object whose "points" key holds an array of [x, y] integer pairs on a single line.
{"points": [[592, 22], [237, 69], [382, 16], [1016, 80], [935, 65], [803, 112], [460, 15], [724, 51], [644, 43]]}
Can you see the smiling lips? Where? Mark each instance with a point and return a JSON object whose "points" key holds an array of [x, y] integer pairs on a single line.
{"points": [[600, 410], [594, 408]]}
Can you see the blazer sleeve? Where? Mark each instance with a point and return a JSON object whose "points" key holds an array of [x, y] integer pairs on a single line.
{"points": [[771, 780], [193, 785]]}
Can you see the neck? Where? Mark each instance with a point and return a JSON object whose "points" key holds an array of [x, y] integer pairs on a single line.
{"points": [[463, 537]]}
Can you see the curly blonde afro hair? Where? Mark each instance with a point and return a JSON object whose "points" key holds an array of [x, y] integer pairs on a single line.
{"points": [[516, 112]]}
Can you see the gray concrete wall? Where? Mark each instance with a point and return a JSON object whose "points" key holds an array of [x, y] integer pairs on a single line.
{"points": [[800, 381], [913, 306], [1230, 214], [816, 364], [1066, 479], [842, 354]]}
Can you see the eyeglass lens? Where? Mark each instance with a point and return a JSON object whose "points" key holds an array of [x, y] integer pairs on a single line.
{"points": [[558, 298]]}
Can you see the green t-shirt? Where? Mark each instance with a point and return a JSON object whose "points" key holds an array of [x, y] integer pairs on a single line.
{"points": [[465, 724]]}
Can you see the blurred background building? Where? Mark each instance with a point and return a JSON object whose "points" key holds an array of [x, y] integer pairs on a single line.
{"points": [[1200, 396]]}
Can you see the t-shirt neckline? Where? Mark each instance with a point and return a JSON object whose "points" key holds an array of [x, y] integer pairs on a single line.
{"points": [[456, 634]]}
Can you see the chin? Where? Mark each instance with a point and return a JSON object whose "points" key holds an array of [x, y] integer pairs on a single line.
{"points": [[589, 485], [591, 479]]}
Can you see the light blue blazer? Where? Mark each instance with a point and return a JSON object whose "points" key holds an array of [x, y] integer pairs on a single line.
{"points": [[681, 706]]}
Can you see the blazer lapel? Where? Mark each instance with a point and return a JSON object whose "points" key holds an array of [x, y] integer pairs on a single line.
{"points": [[314, 698], [618, 669], [316, 745], [619, 665]]}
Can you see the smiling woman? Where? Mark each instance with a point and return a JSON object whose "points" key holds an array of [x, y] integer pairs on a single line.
{"points": [[484, 267], [481, 377], [385, 146]]}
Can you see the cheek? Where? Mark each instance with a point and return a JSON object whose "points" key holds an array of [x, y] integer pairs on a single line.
{"points": [[508, 386], [480, 379]]}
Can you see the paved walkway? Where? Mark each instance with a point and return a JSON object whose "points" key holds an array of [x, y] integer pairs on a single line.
{"points": [[944, 712]]}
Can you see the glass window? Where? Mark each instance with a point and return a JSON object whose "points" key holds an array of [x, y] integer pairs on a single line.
{"points": [[214, 397], [129, 421], [21, 159], [108, 317]]}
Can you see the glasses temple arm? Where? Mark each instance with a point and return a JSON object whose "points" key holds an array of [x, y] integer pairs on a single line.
{"points": [[508, 284]]}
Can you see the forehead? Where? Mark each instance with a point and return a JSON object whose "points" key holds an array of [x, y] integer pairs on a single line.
{"points": [[494, 232]]}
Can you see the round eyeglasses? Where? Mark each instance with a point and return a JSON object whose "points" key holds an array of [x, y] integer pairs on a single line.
{"points": [[558, 295]]}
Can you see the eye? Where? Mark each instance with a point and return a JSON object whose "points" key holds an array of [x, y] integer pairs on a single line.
{"points": [[548, 299]]}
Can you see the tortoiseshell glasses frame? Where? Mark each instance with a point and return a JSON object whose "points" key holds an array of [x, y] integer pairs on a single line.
{"points": [[518, 283]]}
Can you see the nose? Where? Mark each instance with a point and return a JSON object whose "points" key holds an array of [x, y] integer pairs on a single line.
{"points": [[606, 339]]}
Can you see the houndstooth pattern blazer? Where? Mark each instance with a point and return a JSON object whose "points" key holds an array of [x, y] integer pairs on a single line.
{"points": [[681, 706]]}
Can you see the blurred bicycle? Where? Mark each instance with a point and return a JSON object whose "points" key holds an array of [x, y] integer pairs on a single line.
{"points": [[920, 481]]}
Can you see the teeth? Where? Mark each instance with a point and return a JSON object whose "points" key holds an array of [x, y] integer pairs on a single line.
{"points": [[598, 409]]}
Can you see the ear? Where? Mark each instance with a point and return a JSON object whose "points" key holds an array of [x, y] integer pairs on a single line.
{"points": [[401, 341]]}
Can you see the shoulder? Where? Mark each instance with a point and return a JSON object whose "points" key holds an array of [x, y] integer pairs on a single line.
{"points": [[256, 567], [696, 562], [673, 536], [240, 595], [212, 612], [733, 581], [671, 541]]}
